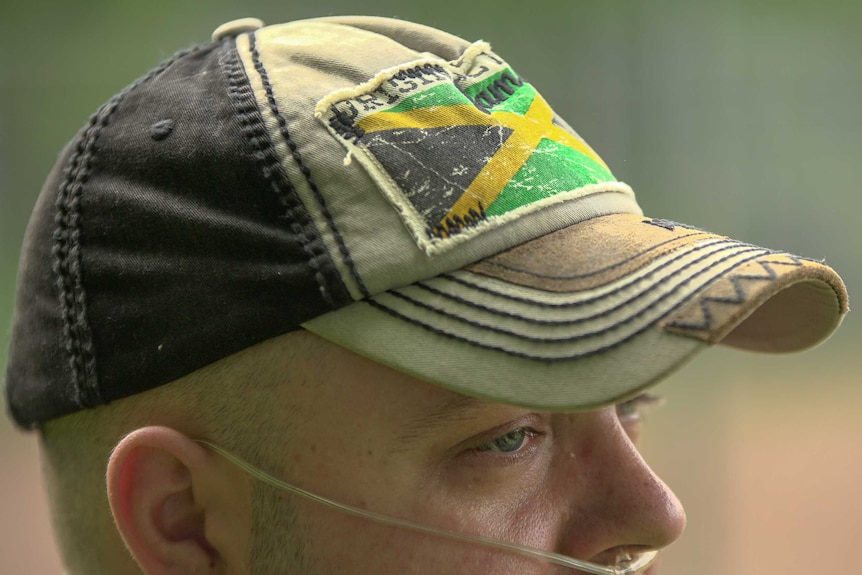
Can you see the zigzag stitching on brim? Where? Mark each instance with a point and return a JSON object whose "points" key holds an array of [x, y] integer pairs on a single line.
{"points": [[578, 337], [740, 295]]}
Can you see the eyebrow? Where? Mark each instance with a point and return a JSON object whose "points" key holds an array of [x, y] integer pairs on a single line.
{"points": [[454, 410]]}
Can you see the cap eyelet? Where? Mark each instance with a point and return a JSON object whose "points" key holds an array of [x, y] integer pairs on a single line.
{"points": [[234, 28]]}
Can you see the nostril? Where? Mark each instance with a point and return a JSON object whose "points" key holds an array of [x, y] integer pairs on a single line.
{"points": [[628, 559]]}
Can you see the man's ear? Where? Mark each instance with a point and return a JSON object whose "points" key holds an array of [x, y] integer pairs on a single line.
{"points": [[164, 491]]}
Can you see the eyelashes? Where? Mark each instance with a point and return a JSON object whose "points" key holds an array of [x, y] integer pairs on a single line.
{"points": [[510, 442], [633, 409], [517, 439], [630, 413]]}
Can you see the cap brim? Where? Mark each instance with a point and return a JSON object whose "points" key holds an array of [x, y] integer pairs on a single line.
{"points": [[592, 313]]}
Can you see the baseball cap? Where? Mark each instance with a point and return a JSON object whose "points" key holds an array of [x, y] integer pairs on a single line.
{"points": [[394, 189]]}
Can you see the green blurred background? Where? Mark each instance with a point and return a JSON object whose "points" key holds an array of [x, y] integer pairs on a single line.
{"points": [[739, 117]]}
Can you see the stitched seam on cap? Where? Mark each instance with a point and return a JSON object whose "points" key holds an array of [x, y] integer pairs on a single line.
{"points": [[728, 242], [510, 352], [521, 354], [297, 156], [77, 335], [739, 293], [594, 333], [254, 129], [592, 273]]}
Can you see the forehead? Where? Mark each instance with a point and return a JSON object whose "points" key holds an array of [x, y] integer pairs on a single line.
{"points": [[339, 374], [323, 382]]}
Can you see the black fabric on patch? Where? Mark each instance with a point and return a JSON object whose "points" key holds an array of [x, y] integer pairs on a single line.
{"points": [[497, 91], [435, 166]]}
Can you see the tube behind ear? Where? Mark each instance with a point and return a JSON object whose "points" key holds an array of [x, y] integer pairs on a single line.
{"points": [[156, 504]]}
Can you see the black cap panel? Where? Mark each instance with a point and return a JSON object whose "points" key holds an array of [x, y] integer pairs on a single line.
{"points": [[171, 225]]}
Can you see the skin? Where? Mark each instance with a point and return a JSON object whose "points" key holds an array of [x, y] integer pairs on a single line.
{"points": [[363, 434]]}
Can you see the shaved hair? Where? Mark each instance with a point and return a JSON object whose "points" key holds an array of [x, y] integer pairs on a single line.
{"points": [[228, 402]]}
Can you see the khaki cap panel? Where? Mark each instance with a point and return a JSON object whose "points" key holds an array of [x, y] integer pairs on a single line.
{"points": [[589, 254]]}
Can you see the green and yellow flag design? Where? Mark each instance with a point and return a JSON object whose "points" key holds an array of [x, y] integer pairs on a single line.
{"points": [[462, 143]]}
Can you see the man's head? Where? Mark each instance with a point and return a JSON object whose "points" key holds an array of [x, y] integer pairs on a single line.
{"points": [[368, 257], [337, 424]]}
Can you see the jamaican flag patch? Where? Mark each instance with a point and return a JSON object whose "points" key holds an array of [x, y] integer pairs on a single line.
{"points": [[461, 146]]}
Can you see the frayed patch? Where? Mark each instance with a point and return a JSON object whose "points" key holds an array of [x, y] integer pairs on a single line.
{"points": [[461, 147]]}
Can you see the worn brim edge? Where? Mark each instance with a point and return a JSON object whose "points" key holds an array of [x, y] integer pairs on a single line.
{"points": [[591, 314]]}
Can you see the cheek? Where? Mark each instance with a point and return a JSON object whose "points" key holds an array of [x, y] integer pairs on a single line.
{"points": [[521, 511], [338, 543], [513, 502], [524, 509]]}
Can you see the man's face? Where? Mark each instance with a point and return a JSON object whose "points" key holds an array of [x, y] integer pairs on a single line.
{"points": [[365, 435]]}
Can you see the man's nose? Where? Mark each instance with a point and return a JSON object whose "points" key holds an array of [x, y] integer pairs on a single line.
{"points": [[627, 506]]}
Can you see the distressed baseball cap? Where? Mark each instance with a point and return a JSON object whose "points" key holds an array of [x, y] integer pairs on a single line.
{"points": [[394, 189]]}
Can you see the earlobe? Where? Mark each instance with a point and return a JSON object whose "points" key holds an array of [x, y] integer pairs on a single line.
{"points": [[155, 496]]}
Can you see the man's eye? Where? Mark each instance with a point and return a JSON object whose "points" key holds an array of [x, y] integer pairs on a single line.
{"points": [[511, 442], [631, 411]]}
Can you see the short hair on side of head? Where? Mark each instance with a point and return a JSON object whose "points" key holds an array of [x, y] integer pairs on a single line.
{"points": [[228, 402]]}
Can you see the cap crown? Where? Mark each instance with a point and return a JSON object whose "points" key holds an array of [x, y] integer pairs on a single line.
{"points": [[212, 204]]}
